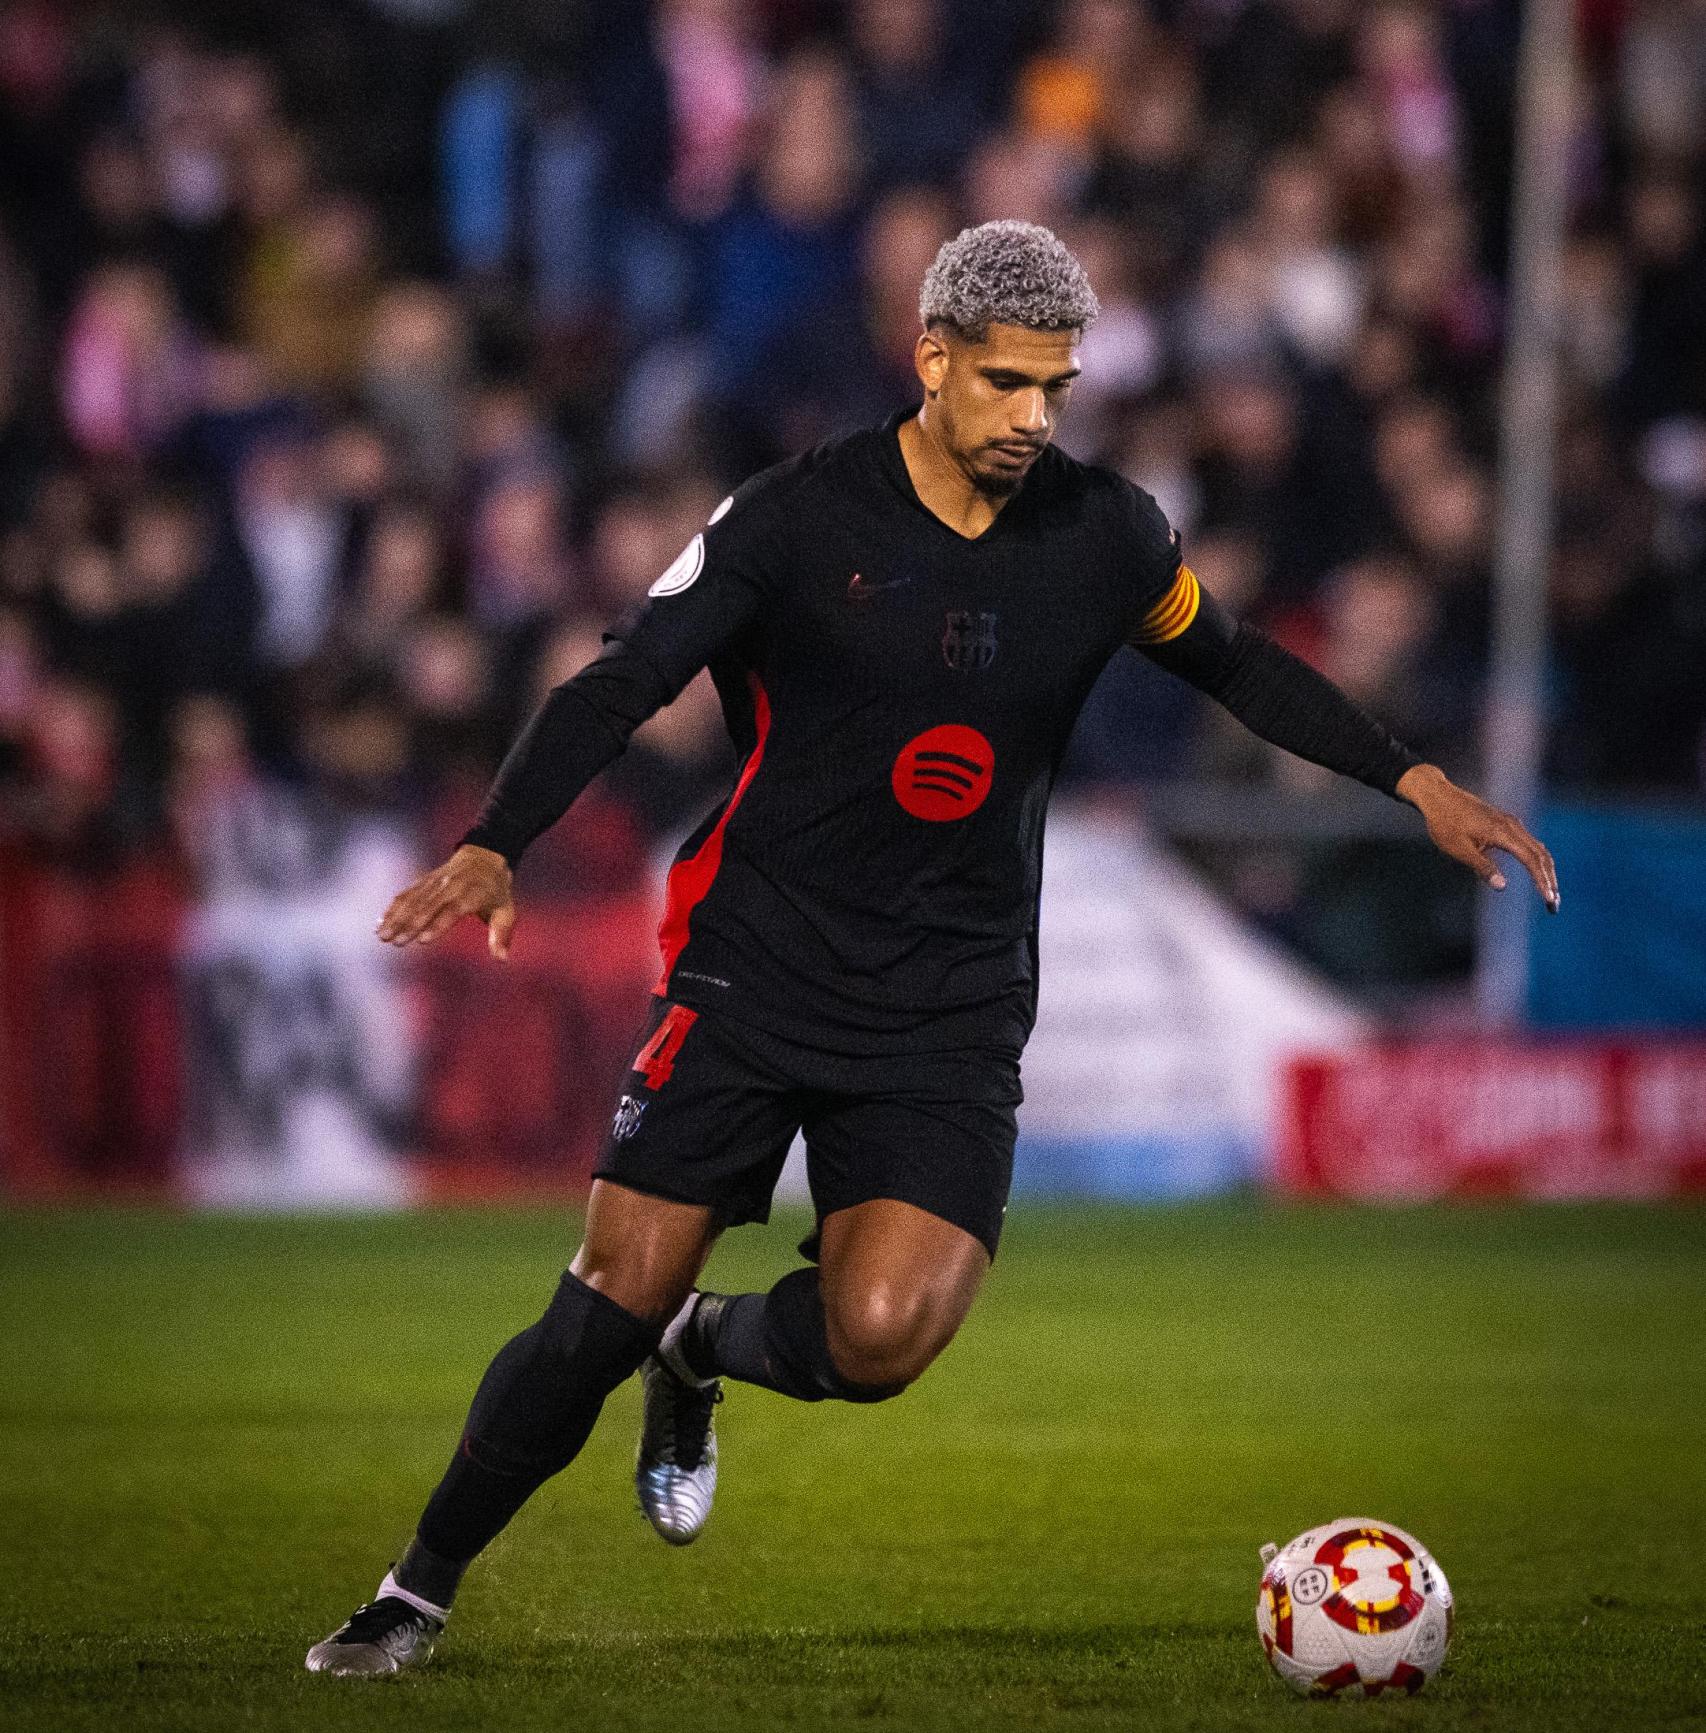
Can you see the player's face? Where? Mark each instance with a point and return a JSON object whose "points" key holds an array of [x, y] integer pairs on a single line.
{"points": [[997, 403]]}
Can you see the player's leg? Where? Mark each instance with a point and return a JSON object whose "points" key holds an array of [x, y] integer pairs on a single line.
{"points": [[910, 1192], [537, 1403], [893, 1285], [897, 1282], [532, 1412], [705, 1115]]}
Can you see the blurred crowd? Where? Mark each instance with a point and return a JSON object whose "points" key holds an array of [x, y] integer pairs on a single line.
{"points": [[360, 358]]}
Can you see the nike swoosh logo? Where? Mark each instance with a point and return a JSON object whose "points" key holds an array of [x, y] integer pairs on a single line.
{"points": [[861, 587]]}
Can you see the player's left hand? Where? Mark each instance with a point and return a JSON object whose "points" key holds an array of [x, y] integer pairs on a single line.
{"points": [[1465, 827]]}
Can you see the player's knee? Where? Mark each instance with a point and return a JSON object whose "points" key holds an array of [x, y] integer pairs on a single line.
{"points": [[647, 1289], [881, 1339], [591, 1336]]}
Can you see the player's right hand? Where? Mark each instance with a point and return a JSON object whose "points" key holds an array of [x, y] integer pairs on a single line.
{"points": [[474, 881]]}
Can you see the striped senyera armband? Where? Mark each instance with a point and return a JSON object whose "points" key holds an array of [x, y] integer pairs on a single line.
{"points": [[1173, 613]]}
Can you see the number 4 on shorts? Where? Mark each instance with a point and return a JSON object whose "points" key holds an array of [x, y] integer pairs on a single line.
{"points": [[656, 1060]]}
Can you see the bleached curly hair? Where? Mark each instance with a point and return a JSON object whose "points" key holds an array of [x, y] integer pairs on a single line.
{"points": [[1006, 273]]}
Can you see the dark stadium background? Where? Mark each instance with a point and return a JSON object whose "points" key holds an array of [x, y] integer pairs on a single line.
{"points": [[359, 359]]}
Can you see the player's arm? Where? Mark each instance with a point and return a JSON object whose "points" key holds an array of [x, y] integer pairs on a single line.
{"points": [[712, 595], [1286, 702]]}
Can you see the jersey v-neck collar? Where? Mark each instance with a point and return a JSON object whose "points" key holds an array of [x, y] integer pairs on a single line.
{"points": [[893, 461]]}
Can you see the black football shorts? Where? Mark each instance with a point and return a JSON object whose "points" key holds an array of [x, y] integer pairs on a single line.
{"points": [[711, 1107]]}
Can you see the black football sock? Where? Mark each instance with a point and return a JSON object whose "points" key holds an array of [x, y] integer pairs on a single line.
{"points": [[531, 1414], [422, 1572], [777, 1340]]}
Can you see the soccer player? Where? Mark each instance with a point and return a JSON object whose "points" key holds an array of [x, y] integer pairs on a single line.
{"points": [[902, 627]]}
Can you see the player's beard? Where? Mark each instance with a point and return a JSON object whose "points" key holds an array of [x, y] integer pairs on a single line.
{"points": [[1001, 480]]}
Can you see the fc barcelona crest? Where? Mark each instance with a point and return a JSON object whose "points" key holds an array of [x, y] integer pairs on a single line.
{"points": [[629, 1111], [968, 640]]}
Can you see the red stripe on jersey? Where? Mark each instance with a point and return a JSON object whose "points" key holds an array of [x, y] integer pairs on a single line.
{"points": [[690, 879]]}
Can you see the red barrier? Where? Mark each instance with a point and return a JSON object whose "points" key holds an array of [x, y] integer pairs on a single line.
{"points": [[517, 1068], [520, 1062], [1569, 1119], [91, 1093]]}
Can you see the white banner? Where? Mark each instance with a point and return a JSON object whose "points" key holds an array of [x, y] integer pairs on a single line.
{"points": [[1163, 1024], [300, 1060]]}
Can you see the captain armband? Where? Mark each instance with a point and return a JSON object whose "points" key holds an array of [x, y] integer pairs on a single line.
{"points": [[1173, 613]]}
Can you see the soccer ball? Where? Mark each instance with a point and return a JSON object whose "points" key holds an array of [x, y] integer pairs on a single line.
{"points": [[1354, 1607]]}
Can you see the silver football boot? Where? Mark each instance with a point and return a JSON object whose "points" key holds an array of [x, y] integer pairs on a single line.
{"points": [[384, 1636], [675, 1471]]}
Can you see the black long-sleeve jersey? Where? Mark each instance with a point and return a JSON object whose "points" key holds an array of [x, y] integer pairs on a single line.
{"points": [[900, 697]]}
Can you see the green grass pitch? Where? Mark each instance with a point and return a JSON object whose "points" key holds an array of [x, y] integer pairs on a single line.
{"points": [[214, 1434]]}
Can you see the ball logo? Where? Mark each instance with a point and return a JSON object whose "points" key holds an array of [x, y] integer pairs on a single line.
{"points": [[1374, 1580], [944, 774], [1310, 1585]]}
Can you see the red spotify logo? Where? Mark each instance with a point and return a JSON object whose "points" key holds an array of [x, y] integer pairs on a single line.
{"points": [[945, 773]]}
